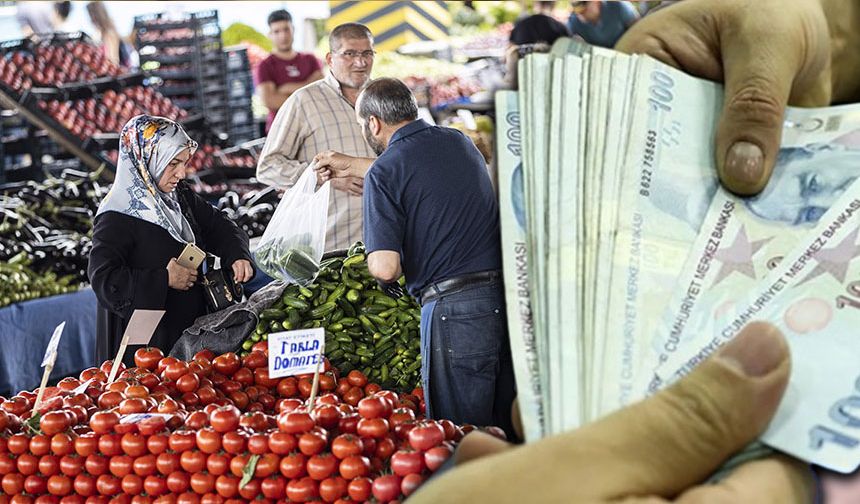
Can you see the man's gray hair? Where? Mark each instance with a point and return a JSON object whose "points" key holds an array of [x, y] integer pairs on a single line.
{"points": [[348, 31], [389, 100]]}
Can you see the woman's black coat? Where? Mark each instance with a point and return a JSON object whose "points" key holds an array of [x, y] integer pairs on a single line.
{"points": [[128, 271]]}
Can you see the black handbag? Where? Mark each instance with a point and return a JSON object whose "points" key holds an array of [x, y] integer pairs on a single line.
{"points": [[219, 288]]}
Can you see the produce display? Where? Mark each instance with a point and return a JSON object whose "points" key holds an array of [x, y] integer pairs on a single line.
{"points": [[252, 211], [365, 329], [219, 428], [45, 235]]}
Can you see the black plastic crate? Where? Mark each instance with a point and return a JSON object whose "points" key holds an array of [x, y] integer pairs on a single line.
{"points": [[237, 59], [162, 21], [240, 88], [241, 117]]}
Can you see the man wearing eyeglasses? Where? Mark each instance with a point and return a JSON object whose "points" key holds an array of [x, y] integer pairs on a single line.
{"points": [[321, 117]]}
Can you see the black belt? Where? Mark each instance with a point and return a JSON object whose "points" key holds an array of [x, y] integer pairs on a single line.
{"points": [[437, 289]]}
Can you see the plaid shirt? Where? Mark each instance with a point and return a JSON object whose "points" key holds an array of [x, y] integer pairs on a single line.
{"points": [[314, 119]]}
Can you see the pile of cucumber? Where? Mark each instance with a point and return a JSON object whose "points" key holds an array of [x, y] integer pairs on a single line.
{"points": [[365, 329]]}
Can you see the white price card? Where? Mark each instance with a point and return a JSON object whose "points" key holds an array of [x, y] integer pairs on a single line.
{"points": [[295, 352]]}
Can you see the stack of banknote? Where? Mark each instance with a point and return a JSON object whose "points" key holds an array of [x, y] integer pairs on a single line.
{"points": [[626, 264]]}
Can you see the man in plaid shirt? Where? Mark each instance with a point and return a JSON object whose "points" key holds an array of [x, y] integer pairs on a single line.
{"points": [[320, 117]]}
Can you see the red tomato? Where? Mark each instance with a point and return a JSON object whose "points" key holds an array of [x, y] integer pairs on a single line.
{"points": [[145, 465], [267, 465], [204, 354], [154, 485], [151, 425], [354, 466], [133, 405], [374, 407], [27, 464], [227, 364], [359, 489], [84, 485], [188, 382], [147, 358], [281, 443], [193, 461], [225, 418], [385, 448], [71, 465], [49, 465], [121, 465], [181, 441], [410, 483], [53, 422], [234, 442], [13, 483], [133, 445], [132, 484], [426, 435], [311, 443], [327, 415], [258, 444], [356, 378], [373, 427], [35, 485], [207, 394], [255, 360], [208, 441], [288, 387], [371, 388], [96, 464], [244, 376], [157, 443], [401, 415], [108, 485], [293, 465], [322, 466], [346, 445], [353, 396], [302, 490], [110, 444], [436, 456], [274, 488], [7, 465], [332, 489], [40, 444], [237, 465], [167, 463], [227, 486], [406, 462], [217, 464], [295, 422], [202, 483], [386, 488], [168, 406], [103, 422]]}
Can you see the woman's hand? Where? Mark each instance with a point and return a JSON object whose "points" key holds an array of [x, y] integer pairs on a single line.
{"points": [[179, 277], [242, 271]]}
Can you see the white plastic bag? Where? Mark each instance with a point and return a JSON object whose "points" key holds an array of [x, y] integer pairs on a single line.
{"points": [[294, 240]]}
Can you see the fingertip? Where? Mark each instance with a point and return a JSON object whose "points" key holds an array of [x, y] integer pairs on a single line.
{"points": [[744, 170]]}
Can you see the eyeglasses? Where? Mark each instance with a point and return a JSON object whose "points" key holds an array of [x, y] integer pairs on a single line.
{"points": [[365, 55]]}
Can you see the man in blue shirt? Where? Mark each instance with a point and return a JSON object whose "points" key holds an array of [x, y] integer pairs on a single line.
{"points": [[601, 23], [430, 213]]}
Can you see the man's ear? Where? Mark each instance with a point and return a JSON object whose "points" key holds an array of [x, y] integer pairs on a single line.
{"points": [[328, 59], [374, 125]]}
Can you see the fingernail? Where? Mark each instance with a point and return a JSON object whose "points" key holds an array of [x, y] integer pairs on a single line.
{"points": [[745, 163], [756, 351]]}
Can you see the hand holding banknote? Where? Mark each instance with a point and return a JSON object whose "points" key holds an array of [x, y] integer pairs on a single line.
{"points": [[662, 447], [767, 52]]}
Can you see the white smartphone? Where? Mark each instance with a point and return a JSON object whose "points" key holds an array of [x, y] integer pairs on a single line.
{"points": [[191, 256]]}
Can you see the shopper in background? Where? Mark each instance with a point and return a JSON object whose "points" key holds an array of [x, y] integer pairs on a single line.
{"points": [[321, 117], [285, 70], [116, 49], [539, 27], [143, 225], [430, 213], [35, 17], [62, 10], [601, 23], [658, 450]]}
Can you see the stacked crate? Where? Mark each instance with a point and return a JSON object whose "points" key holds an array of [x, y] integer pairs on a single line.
{"points": [[240, 91], [186, 53]]}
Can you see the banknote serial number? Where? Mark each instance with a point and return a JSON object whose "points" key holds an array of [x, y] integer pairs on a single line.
{"points": [[648, 163], [844, 413]]}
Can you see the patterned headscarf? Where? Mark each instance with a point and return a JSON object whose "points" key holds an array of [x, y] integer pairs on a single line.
{"points": [[147, 145]]}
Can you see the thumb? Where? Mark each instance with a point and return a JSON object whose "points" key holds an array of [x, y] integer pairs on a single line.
{"points": [[758, 80], [682, 434]]}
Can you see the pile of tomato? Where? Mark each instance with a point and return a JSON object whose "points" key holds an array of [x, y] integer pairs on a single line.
{"points": [[224, 432]]}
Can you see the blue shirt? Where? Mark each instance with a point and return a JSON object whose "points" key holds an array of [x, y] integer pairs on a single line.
{"points": [[615, 18], [429, 197]]}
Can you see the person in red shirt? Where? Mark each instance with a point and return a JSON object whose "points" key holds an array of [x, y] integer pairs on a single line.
{"points": [[285, 70]]}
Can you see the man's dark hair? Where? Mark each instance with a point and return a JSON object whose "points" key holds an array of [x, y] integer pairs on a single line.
{"points": [[348, 31], [63, 9], [280, 15], [388, 99]]}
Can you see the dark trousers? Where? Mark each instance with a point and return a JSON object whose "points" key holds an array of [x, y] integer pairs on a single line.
{"points": [[466, 357]]}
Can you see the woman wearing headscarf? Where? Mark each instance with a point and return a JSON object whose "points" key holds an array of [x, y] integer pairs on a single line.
{"points": [[142, 226]]}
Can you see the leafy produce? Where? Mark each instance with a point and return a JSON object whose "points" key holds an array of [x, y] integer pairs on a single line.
{"points": [[365, 329], [238, 33], [217, 428]]}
